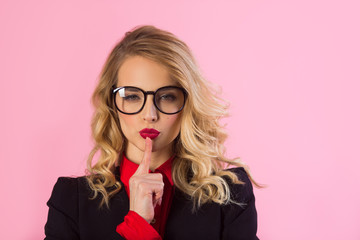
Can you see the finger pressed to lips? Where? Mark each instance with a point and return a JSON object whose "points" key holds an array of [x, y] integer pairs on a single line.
{"points": [[144, 165], [146, 188]]}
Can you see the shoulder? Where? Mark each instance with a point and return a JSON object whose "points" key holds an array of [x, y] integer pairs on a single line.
{"points": [[68, 186], [65, 194], [241, 192], [240, 172], [240, 216], [64, 187]]}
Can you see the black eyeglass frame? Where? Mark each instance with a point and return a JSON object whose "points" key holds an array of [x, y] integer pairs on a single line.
{"points": [[146, 93]]}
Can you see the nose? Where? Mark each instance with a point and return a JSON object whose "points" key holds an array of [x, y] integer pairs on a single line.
{"points": [[149, 112]]}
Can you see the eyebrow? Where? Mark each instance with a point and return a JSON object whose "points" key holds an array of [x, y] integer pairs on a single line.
{"points": [[132, 90], [127, 86]]}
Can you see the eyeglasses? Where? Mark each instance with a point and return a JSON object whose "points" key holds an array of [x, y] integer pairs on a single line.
{"points": [[131, 100]]}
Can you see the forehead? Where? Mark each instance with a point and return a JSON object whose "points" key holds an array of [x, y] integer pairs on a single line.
{"points": [[144, 73]]}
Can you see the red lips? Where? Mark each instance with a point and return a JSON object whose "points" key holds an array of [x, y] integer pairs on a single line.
{"points": [[149, 132]]}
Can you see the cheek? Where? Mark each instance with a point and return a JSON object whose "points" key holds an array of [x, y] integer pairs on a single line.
{"points": [[126, 123], [173, 122]]}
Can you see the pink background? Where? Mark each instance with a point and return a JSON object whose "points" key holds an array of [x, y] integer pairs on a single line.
{"points": [[289, 68]]}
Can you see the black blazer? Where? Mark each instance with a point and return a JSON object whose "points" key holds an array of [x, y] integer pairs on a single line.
{"points": [[73, 216]]}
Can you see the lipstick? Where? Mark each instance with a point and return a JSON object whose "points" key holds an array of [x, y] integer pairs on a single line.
{"points": [[149, 132]]}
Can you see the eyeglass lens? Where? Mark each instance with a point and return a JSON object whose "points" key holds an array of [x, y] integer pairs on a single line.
{"points": [[168, 100]]}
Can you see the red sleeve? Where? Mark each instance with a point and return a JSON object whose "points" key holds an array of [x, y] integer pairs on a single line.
{"points": [[135, 227]]}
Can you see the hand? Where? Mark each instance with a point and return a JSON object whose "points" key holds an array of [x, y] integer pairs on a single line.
{"points": [[146, 189]]}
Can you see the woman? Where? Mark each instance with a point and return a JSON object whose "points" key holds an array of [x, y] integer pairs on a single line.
{"points": [[160, 167]]}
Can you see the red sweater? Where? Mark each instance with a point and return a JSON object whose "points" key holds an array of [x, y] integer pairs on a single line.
{"points": [[136, 227]]}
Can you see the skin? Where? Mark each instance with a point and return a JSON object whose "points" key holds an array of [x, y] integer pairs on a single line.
{"points": [[146, 188]]}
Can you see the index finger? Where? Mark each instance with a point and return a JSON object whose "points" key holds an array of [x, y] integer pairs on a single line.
{"points": [[144, 165]]}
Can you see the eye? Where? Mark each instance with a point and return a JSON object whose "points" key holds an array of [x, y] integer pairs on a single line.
{"points": [[132, 97], [168, 97]]}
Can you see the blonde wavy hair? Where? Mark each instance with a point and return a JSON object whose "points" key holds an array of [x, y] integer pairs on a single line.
{"points": [[198, 168]]}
